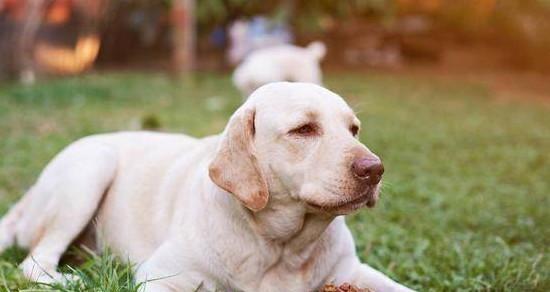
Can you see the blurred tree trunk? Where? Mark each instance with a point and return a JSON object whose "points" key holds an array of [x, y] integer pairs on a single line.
{"points": [[25, 39], [183, 33]]}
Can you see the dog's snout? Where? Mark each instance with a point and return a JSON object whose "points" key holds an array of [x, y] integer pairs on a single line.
{"points": [[369, 169]]}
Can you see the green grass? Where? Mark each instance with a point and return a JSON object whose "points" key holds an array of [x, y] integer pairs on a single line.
{"points": [[466, 199]]}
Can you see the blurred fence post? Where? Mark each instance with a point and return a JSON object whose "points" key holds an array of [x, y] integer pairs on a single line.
{"points": [[25, 40], [183, 36]]}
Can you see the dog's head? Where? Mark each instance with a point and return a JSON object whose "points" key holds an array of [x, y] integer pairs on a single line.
{"points": [[297, 140]]}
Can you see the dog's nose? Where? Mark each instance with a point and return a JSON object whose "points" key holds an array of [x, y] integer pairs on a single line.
{"points": [[369, 169]]}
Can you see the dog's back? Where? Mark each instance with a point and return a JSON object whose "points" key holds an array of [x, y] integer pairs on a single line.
{"points": [[280, 63]]}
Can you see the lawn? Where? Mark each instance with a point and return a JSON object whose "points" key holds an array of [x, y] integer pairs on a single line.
{"points": [[466, 197]]}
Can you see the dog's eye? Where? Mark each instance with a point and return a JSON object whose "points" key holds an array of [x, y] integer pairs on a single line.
{"points": [[354, 130], [305, 130]]}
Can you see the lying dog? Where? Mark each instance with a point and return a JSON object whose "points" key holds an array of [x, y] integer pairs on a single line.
{"points": [[280, 63], [256, 208]]}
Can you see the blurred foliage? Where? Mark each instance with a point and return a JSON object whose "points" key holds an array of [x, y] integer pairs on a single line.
{"points": [[219, 12], [518, 20], [344, 9], [468, 15]]}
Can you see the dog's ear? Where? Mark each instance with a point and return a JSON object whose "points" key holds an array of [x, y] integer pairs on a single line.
{"points": [[235, 168], [317, 49]]}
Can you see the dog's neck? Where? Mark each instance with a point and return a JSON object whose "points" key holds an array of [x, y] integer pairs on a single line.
{"points": [[285, 234], [287, 223], [283, 223]]}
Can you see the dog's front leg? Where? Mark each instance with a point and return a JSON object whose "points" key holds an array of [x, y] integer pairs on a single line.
{"points": [[169, 270], [368, 277], [351, 270]]}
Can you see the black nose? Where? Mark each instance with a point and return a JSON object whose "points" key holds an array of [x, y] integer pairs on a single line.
{"points": [[368, 168]]}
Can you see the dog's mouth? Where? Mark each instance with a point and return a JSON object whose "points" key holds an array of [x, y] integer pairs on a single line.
{"points": [[343, 207]]}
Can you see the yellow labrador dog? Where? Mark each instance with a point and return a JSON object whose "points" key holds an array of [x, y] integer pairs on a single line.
{"points": [[257, 208]]}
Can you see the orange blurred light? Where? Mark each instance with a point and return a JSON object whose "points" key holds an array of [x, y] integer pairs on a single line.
{"points": [[59, 12], [64, 60]]}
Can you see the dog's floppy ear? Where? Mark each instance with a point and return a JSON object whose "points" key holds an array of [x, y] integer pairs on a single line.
{"points": [[234, 167]]}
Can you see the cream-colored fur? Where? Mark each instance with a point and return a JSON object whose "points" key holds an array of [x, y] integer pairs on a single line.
{"points": [[280, 63], [257, 208]]}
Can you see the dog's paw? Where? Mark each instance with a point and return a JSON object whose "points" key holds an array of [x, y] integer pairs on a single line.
{"points": [[44, 273]]}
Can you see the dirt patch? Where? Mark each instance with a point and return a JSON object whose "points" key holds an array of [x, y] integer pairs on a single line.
{"points": [[345, 287]]}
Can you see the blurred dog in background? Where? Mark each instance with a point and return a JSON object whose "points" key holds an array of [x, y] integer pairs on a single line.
{"points": [[280, 63]]}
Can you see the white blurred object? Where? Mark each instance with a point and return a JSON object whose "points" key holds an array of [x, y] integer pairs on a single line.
{"points": [[27, 77], [280, 63], [215, 103], [248, 36], [239, 45]]}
